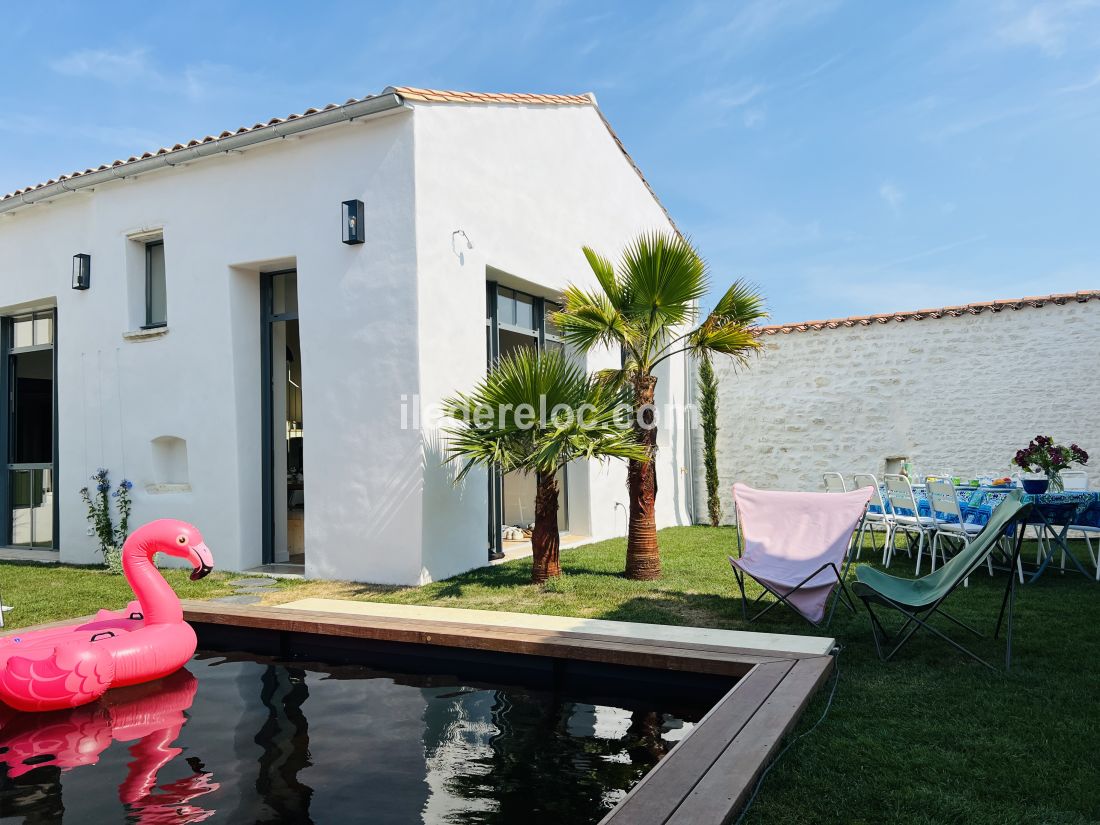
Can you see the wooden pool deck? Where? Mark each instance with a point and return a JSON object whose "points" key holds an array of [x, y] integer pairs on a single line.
{"points": [[733, 640]]}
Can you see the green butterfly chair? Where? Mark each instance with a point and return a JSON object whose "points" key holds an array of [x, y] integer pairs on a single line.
{"points": [[918, 600]]}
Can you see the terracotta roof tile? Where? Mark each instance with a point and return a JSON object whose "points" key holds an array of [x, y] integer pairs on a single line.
{"points": [[976, 308], [440, 96]]}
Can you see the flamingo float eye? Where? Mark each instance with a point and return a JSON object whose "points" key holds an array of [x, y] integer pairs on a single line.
{"points": [[182, 540]]}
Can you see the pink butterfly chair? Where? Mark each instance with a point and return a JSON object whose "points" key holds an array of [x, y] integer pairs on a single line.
{"points": [[794, 545]]}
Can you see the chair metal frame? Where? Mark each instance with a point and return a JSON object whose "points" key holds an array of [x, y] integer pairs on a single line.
{"points": [[1079, 480], [915, 619], [831, 479], [870, 519], [943, 499], [899, 492], [740, 574]]}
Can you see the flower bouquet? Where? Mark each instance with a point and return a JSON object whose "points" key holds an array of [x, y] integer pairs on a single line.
{"points": [[1043, 456]]}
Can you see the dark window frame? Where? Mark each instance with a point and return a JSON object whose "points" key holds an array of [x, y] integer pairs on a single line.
{"points": [[541, 337], [149, 322]]}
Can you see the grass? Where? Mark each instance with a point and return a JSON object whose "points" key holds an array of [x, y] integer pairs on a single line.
{"points": [[929, 738], [48, 593]]}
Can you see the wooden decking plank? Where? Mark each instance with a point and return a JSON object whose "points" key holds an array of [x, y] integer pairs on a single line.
{"points": [[658, 795], [544, 643], [727, 783]]}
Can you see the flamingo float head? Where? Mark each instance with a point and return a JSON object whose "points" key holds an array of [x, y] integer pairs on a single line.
{"points": [[184, 541]]}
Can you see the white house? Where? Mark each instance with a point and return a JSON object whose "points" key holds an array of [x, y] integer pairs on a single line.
{"points": [[254, 374]]}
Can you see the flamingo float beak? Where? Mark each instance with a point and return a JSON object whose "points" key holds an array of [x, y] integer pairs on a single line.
{"points": [[203, 560]]}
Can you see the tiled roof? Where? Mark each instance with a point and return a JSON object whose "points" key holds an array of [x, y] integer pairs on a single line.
{"points": [[407, 93], [178, 147], [943, 312], [441, 96]]}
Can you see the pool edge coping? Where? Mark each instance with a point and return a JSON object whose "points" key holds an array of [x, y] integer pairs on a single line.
{"points": [[705, 778]]}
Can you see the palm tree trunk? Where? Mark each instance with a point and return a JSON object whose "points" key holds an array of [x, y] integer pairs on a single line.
{"points": [[643, 559], [545, 541]]}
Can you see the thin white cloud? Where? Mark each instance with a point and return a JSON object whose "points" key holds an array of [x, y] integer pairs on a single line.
{"points": [[935, 250], [1046, 26], [754, 118], [891, 194], [732, 97], [1075, 88], [101, 64], [136, 68]]}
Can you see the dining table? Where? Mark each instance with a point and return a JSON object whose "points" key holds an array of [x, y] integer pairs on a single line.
{"points": [[1053, 514]]}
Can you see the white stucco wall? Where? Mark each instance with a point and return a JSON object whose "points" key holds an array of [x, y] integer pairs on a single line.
{"points": [[530, 185], [225, 219], [954, 394]]}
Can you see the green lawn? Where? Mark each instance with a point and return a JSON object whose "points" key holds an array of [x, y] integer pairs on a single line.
{"points": [[930, 738]]}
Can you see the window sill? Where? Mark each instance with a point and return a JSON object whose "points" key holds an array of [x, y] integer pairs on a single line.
{"points": [[162, 488], [145, 334]]}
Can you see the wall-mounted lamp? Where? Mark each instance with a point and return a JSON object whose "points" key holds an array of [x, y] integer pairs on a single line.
{"points": [[353, 222], [82, 271], [465, 237]]}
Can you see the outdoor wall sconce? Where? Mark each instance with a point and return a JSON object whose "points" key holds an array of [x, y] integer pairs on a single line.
{"points": [[353, 222], [82, 271]]}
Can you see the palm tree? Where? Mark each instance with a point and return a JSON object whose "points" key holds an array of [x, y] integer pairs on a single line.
{"points": [[648, 307], [535, 412]]}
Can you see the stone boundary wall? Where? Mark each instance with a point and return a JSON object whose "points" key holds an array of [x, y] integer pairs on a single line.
{"points": [[951, 394]]}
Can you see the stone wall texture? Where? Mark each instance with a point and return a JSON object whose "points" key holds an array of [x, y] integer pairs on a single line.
{"points": [[951, 394]]}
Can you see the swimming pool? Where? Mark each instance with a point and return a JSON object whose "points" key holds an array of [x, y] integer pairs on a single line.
{"points": [[354, 711], [241, 738]]}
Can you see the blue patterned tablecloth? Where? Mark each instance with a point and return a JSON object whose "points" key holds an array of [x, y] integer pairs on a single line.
{"points": [[1077, 507]]}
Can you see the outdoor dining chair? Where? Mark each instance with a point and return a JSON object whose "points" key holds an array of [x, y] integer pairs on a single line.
{"points": [[919, 600], [949, 520], [877, 514], [1079, 480], [907, 518], [795, 545], [834, 483]]}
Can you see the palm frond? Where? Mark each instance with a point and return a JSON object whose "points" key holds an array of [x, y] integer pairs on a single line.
{"points": [[588, 319], [741, 304], [537, 411], [665, 277], [605, 274]]}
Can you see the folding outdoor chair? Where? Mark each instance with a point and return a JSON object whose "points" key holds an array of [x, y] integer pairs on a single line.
{"points": [[878, 514], [907, 518], [1079, 480], [834, 483], [794, 545], [918, 600]]}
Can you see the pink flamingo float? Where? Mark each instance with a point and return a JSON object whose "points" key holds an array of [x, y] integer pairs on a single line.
{"points": [[73, 664], [149, 716]]}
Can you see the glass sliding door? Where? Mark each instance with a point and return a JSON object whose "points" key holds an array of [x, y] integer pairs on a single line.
{"points": [[516, 320], [284, 505], [29, 374]]}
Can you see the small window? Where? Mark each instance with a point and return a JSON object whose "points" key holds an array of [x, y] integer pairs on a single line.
{"points": [[156, 295], [32, 330]]}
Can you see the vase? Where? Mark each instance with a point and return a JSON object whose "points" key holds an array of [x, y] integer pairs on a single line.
{"points": [[1035, 486]]}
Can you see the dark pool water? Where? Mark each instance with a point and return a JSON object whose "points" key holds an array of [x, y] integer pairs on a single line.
{"points": [[239, 738]]}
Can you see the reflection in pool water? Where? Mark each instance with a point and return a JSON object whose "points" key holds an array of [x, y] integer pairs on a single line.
{"points": [[238, 738]]}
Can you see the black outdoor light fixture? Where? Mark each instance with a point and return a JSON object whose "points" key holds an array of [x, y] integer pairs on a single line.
{"points": [[82, 271], [353, 222]]}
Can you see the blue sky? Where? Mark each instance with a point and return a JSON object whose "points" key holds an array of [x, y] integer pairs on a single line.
{"points": [[847, 157]]}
